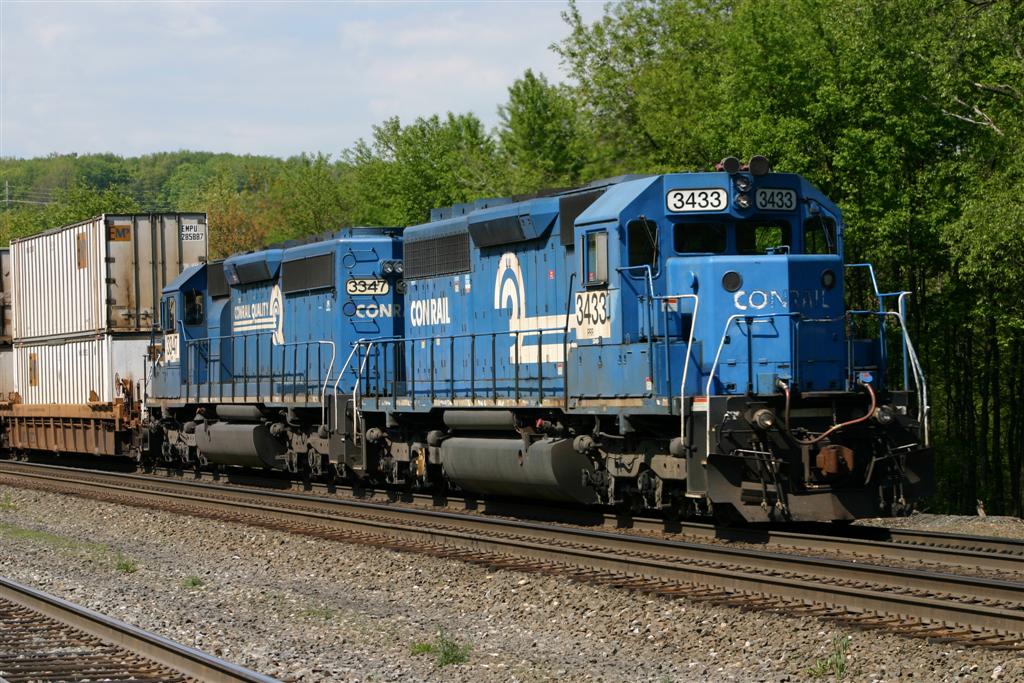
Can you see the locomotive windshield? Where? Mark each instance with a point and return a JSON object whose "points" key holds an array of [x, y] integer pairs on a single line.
{"points": [[700, 238], [757, 237], [752, 237], [819, 235], [642, 236]]}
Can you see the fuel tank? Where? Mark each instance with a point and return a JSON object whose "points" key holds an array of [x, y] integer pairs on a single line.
{"points": [[243, 444], [550, 468]]}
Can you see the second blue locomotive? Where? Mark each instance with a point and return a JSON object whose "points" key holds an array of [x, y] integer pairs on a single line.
{"points": [[673, 342]]}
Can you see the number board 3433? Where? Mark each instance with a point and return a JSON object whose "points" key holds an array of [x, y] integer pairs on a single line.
{"points": [[704, 199], [775, 199], [594, 314]]}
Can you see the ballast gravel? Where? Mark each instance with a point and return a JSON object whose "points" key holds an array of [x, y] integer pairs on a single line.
{"points": [[1005, 527], [303, 609]]}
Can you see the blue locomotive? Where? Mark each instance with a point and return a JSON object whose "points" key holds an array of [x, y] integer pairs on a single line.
{"points": [[676, 342], [254, 347]]}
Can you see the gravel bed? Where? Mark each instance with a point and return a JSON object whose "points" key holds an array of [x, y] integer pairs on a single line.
{"points": [[303, 609], [1005, 527]]}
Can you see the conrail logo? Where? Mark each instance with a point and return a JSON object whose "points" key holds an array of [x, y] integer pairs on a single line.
{"points": [[759, 299], [257, 316], [429, 312]]}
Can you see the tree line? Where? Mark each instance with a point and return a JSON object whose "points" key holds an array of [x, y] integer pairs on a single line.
{"points": [[908, 113]]}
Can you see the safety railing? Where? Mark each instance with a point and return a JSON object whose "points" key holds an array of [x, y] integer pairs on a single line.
{"points": [[796, 319], [750, 320], [648, 300], [911, 364], [426, 367], [251, 368], [910, 360], [666, 300]]}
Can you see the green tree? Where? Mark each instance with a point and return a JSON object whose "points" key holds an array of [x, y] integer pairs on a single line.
{"points": [[538, 138], [308, 198], [407, 170]]}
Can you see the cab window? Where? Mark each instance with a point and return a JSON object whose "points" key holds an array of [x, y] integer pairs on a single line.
{"points": [[170, 317], [642, 236], [596, 258], [194, 306], [820, 235], [700, 238], [757, 237]]}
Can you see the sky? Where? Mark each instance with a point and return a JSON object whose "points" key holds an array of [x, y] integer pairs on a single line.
{"points": [[275, 78]]}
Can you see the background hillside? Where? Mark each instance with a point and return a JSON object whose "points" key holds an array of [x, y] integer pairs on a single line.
{"points": [[908, 113]]}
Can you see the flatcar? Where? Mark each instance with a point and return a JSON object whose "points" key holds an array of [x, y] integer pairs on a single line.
{"points": [[676, 342], [80, 303]]}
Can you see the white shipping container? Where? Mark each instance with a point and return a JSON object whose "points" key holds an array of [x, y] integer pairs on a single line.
{"points": [[71, 371], [101, 275]]}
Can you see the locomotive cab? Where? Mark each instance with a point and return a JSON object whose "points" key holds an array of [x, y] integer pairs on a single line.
{"points": [[183, 316], [788, 415]]}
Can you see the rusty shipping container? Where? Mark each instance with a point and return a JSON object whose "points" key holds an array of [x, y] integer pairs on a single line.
{"points": [[5, 296], [6, 371], [101, 276]]}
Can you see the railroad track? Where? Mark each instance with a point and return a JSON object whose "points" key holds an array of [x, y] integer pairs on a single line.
{"points": [[973, 553], [939, 605], [44, 638]]}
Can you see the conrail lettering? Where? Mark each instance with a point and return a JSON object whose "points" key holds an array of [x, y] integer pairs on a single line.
{"points": [[255, 316], [254, 310], [378, 311], [429, 312], [759, 299]]}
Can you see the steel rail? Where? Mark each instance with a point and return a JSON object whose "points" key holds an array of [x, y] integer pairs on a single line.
{"points": [[972, 552], [948, 600], [968, 551], [127, 640], [975, 552]]}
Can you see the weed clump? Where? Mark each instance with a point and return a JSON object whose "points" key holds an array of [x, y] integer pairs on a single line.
{"points": [[834, 663], [193, 581], [126, 565], [446, 651]]}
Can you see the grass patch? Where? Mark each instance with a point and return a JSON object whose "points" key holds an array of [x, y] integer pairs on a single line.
{"points": [[193, 581], [126, 565], [7, 503], [322, 613], [446, 651], [834, 664], [16, 533]]}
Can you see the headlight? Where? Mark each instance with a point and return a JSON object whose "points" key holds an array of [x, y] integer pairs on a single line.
{"points": [[743, 201], [399, 268], [828, 279], [743, 183], [730, 165], [732, 281], [759, 165], [387, 267]]}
